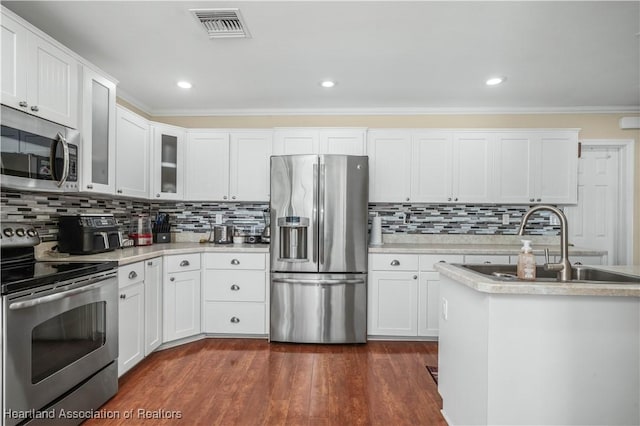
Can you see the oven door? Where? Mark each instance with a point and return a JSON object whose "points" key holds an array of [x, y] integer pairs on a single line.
{"points": [[57, 339]]}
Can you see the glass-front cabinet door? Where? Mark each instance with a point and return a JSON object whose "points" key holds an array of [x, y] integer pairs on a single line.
{"points": [[98, 133], [167, 168]]}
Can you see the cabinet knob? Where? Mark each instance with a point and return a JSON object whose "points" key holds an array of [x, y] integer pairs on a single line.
{"points": [[132, 275], [235, 262], [415, 277], [577, 263], [150, 263], [235, 287], [233, 197], [395, 262], [532, 199], [123, 296], [442, 261], [157, 195], [539, 199], [449, 199], [486, 262], [172, 279], [89, 186], [35, 108], [23, 104], [455, 199], [408, 199], [235, 320], [224, 197], [185, 263], [119, 191]]}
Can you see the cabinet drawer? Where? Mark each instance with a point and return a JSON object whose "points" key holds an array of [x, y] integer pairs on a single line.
{"points": [[234, 260], [394, 262], [130, 274], [234, 317], [234, 286], [428, 260], [183, 262]]}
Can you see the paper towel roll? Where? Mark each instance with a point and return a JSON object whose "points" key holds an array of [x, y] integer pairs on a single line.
{"points": [[376, 230]]}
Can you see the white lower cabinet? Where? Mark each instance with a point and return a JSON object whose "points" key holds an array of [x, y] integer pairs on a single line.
{"points": [[152, 305], [130, 316], [404, 294], [234, 291], [181, 302]]}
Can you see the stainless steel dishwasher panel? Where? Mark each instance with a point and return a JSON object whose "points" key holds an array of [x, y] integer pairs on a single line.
{"points": [[318, 308]]}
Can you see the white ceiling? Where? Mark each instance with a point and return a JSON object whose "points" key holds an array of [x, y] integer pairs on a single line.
{"points": [[386, 56]]}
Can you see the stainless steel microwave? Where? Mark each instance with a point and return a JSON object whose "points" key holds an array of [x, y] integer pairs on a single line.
{"points": [[36, 154]]}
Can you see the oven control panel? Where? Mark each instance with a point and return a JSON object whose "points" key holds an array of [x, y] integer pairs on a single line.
{"points": [[15, 234]]}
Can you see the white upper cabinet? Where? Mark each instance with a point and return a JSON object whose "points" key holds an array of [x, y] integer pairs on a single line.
{"points": [[431, 166], [342, 141], [228, 165], [167, 167], [132, 158], [98, 129], [536, 167], [207, 160], [249, 165], [38, 77], [347, 141], [472, 168], [389, 166]]}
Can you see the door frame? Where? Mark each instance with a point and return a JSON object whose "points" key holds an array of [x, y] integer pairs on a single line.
{"points": [[626, 180]]}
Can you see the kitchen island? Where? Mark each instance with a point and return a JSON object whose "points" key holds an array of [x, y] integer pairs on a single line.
{"points": [[513, 352]]}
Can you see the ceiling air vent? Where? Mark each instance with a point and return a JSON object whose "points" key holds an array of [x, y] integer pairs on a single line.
{"points": [[222, 23]]}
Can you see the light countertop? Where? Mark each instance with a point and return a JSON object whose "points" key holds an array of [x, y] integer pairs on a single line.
{"points": [[486, 249], [485, 284]]}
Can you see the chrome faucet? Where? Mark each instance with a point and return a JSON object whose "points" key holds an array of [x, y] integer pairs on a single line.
{"points": [[564, 266]]}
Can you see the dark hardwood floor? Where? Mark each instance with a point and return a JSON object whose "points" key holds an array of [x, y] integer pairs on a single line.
{"points": [[253, 382]]}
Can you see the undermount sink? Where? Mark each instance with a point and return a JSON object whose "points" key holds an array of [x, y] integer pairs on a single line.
{"points": [[583, 274]]}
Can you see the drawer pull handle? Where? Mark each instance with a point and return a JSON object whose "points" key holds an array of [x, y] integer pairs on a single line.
{"points": [[184, 263], [577, 263], [123, 296], [132, 275], [235, 262], [487, 262], [442, 261], [395, 262], [235, 287], [235, 320]]}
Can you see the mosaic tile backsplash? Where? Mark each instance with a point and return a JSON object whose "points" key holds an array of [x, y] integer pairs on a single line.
{"points": [[43, 209]]}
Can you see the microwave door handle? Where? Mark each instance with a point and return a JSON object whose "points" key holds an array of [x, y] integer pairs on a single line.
{"points": [[65, 156]]}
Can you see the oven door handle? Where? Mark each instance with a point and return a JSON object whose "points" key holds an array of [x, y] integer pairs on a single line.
{"points": [[91, 285]]}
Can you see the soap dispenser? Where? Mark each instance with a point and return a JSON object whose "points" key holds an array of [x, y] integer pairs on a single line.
{"points": [[526, 262]]}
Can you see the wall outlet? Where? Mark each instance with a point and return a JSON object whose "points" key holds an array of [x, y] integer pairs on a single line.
{"points": [[218, 218], [445, 309], [505, 219]]}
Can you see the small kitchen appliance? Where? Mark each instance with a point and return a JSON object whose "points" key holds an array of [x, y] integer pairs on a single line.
{"points": [[88, 234], [223, 234], [140, 231], [161, 229]]}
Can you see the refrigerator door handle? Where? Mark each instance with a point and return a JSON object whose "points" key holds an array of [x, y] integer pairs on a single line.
{"points": [[316, 282], [315, 214], [321, 194]]}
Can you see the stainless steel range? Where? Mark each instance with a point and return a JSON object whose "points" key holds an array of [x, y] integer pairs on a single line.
{"points": [[59, 333]]}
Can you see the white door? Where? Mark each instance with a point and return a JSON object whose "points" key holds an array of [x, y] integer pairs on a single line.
{"points": [[393, 304], [207, 166], [472, 167], [431, 166], [249, 166], [14, 64], [389, 171], [428, 304], [593, 222], [557, 168], [513, 175], [132, 154], [130, 327], [181, 305], [153, 304], [342, 141], [167, 168], [295, 141]]}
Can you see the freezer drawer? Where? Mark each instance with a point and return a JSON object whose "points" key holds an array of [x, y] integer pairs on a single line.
{"points": [[318, 308]]}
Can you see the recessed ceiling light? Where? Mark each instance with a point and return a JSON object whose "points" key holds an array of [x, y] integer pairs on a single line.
{"points": [[184, 84], [327, 83], [493, 81]]}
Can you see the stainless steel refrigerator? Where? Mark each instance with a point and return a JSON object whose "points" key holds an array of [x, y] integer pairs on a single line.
{"points": [[319, 248]]}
